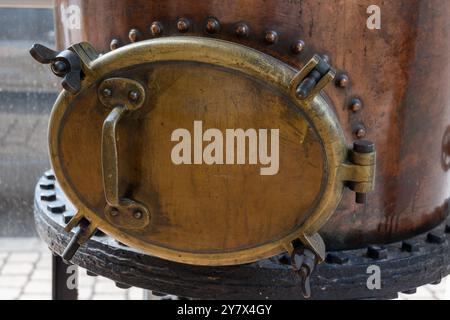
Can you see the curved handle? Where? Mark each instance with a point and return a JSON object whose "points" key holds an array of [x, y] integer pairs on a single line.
{"points": [[122, 212], [110, 161]]}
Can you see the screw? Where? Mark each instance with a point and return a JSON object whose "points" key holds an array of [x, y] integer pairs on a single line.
{"points": [[114, 212], [242, 30], [271, 37], [114, 44], [107, 92], [134, 95], [137, 214], [212, 25], [183, 25], [342, 80], [355, 104], [156, 28], [298, 47], [133, 35], [377, 252]]}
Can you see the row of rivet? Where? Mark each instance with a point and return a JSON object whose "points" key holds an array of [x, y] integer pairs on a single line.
{"points": [[212, 26]]}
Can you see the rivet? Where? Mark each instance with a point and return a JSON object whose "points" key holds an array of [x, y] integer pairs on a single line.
{"points": [[360, 132], [356, 104], [137, 214], [49, 175], [56, 208], [156, 29], [335, 258], [342, 80], [134, 95], [298, 46], [47, 185], [114, 44], [436, 238], [114, 212], [48, 196], [107, 92], [183, 25], [410, 246], [212, 25], [271, 37], [133, 35], [242, 30], [377, 252]]}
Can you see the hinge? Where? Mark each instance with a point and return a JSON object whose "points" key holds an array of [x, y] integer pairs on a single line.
{"points": [[359, 171]]}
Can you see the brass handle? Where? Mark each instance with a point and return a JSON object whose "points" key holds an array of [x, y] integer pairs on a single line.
{"points": [[110, 161], [126, 95]]}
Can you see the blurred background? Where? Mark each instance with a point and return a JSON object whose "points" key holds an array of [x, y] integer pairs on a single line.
{"points": [[27, 93]]}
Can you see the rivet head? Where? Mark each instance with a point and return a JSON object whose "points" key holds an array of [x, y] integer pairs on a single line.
{"points": [[114, 44], [133, 35], [137, 214], [156, 29], [271, 37], [107, 92], [356, 104], [298, 46], [114, 212], [242, 30], [342, 81], [183, 25], [212, 25], [134, 95], [360, 132]]}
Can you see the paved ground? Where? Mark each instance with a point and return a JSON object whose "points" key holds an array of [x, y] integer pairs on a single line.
{"points": [[25, 273]]}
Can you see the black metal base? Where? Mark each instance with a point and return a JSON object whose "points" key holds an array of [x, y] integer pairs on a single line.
{"points": [[345, 275]]}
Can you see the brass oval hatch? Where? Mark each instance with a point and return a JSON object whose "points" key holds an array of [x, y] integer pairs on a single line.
{"points": [[148, 150]]}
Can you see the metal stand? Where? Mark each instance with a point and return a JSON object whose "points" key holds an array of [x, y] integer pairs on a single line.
{"points": [[64, 280]]}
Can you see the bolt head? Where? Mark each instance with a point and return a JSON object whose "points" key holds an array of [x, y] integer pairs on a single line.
{"points": [[107, 92], [183, 25], [60, 68], [134, 95], [298, 46], [342, 81], [242, 30], [356, 105], [133, 35], [137, 214], [212, 25], [360, 133], [156, 29], [114, 44], [114, 212], [271, 37]]}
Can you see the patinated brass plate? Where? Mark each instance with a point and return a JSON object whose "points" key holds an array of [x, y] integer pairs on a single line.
{"points": [[202, 213]]}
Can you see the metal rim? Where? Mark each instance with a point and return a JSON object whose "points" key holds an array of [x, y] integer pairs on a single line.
{"points": [[230, 56]]}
